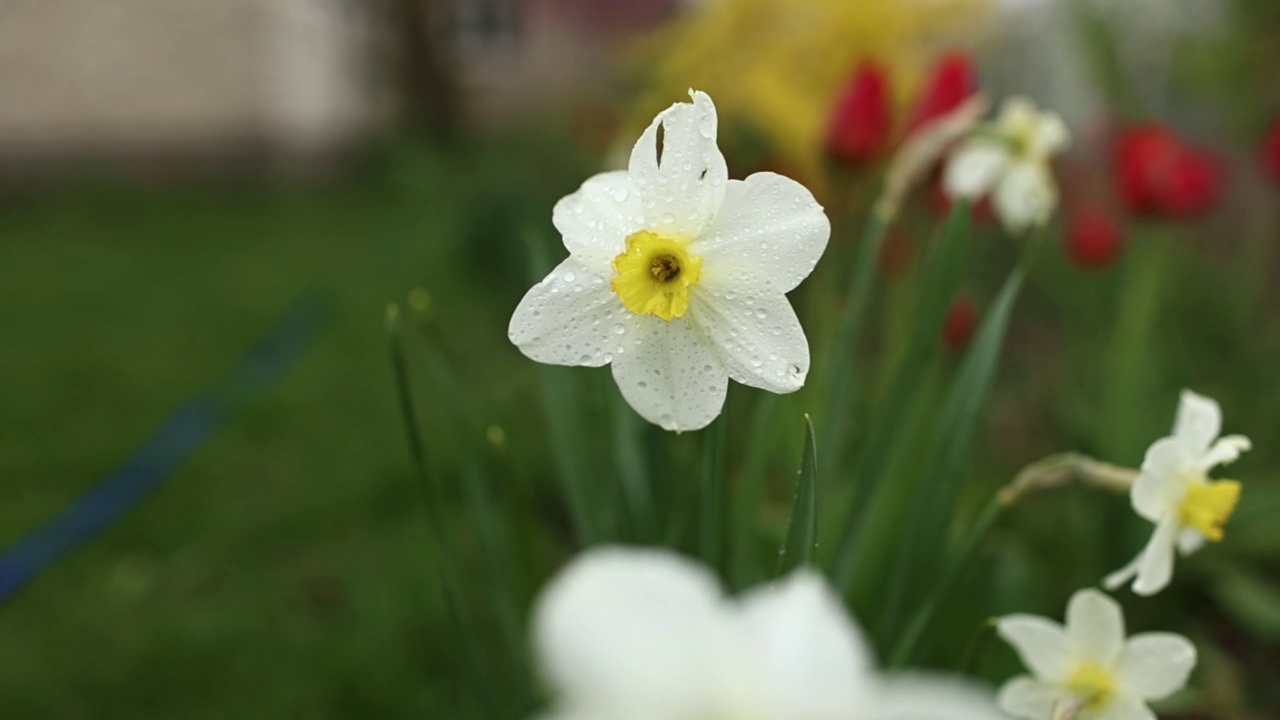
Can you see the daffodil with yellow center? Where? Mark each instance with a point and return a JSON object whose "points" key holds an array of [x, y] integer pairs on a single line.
{"points": [[1174, 491], [1010, 160], [1088, 669], [646, 634], [677, 276]]}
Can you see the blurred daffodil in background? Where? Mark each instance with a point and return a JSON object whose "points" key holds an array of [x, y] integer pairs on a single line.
{"points": [[776, 68]]}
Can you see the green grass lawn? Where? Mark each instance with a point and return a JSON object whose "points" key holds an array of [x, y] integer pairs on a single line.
{"points": [[283, 571]]}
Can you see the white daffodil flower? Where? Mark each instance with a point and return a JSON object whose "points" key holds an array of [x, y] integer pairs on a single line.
{"points": [[635, 634], [1174, 491], [676, 275], [1088, 670], [1010, 160]]}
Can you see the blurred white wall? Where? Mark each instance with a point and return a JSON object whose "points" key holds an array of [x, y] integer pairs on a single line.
{"points": [[156, 78]]}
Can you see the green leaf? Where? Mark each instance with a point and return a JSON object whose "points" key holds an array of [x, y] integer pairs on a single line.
{"points": [[1252, 599], [937, 486], [940, 285], [840, 399], [802, 531]]}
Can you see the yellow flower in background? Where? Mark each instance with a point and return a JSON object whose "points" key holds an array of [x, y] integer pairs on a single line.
{"points": [[776, 66]]}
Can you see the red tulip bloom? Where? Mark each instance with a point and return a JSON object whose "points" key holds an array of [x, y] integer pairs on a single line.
{"points": [[961, 322], [1093, 237], [952, 81], [861, 123], [1158, 174], [1271, 151]]}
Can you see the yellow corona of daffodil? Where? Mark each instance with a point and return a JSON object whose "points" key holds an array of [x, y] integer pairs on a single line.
{"points": [[776, 66]]}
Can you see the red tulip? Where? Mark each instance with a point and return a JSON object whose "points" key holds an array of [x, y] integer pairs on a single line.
{"points": [[1158, 174], [1271, 151], [1093, 237], [952, 81], [861, 122], [961, 322]]}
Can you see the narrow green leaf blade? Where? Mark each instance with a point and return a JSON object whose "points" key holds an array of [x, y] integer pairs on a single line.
{"points": [[802, 532]]}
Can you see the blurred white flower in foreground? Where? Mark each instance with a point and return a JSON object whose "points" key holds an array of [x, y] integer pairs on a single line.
{"points": [[1010, 159], [1174, 492], [634, 634], [676, 275], [1088, 670]]}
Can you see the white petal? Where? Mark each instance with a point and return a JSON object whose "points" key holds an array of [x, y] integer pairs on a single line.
{"points": [[595, 221], [1025, 196], [669, 374], [754, 331], [918, 696], [623, 628], [1051, 135], [1028, 698], [1161, 484], [1155, 665], [569, 318], [1095, 627], [1122, 707], [1189, 541], [681, 192], [1041, 643], [974, 169], [1017, 113], [1225, 450], [1198, 422], [770, 224], [1155, 565], [815, 659]]}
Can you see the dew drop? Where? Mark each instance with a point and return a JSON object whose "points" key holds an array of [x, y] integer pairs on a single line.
{"points": [[608, 357], [620, 194], [569, 276], [619, 328], [642, 385], [756, 361]]}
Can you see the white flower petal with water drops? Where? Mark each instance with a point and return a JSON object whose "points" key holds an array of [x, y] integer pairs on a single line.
{"points": [[676, 275], [1174, 491]]}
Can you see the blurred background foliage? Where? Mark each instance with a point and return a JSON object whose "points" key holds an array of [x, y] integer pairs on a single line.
{"points": [[288, 568]]}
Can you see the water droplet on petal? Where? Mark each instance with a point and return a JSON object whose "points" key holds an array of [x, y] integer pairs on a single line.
{"points": [[569, 276], [756, 361], [619, 328]]}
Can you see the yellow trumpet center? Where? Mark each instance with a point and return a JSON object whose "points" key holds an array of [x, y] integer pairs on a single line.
{"points": [[1207, 506], [654, 275], [1094, 685]]}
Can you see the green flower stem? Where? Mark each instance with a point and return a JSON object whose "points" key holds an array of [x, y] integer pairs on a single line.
{"points": [[633, 471], [711, 527], [844, 346], [940, 287], [937, 486]]}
